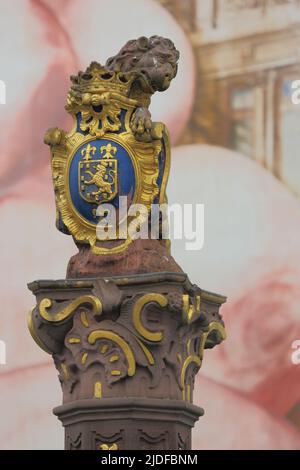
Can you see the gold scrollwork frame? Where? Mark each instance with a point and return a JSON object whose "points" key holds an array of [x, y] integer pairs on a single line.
{"points": [[144, 158]]}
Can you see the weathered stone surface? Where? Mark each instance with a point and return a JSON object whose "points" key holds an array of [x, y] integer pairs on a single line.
{"points": [[132, 345], [142, 256]]}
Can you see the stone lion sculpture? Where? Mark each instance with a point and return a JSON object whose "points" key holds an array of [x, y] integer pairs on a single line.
{"points": [[154, 61]]}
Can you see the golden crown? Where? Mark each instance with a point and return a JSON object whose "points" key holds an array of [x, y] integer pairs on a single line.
{"points": [[97, 79]]}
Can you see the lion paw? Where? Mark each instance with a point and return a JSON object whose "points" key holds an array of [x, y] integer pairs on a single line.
{"points": [[141, 124]]}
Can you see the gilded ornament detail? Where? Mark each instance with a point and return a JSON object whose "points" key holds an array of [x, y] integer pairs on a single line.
{"points": [[112, 128]]}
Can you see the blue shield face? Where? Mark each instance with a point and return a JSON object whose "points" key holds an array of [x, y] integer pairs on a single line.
{"points": [[100, 171]]}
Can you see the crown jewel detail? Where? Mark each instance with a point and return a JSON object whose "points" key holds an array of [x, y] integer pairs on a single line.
{"points": [[97, 79]]}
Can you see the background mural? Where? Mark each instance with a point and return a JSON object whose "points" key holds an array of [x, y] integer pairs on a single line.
{"points": [[235, 134]]}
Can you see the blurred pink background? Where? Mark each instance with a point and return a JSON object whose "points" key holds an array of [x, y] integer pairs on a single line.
{"points": [[235, 136]]}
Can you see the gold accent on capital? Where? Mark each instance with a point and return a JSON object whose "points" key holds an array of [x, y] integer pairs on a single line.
{"points": [[115, 338], [66, 312], [84, 319], [114, 358], [190, 310], [213, 326], [65, 371], [33, 333], [113, 446], [197, 359], [103, 348], [74, 340], [179, 358], [146, 351], [84, 358], [191, 359], [98, 389], [115, 372], [139, 305]]}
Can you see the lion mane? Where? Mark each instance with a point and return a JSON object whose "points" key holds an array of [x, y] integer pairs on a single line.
{"points": [[153, 60]]}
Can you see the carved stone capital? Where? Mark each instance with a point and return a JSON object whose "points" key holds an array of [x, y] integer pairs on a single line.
{"points": [[135, 337]]}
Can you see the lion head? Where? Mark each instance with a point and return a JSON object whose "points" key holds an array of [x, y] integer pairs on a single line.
{"points": [[154, 60]]}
